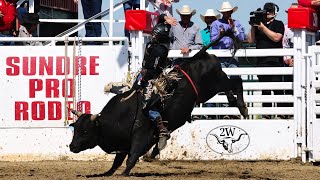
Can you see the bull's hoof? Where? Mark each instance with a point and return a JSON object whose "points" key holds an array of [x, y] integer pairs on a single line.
{"points": [[244, 112], [125, 174], [108, 173]]}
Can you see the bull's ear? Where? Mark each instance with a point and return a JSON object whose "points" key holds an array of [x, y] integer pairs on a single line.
{"points": [[77, 113], [72, 124], [94, 117]]}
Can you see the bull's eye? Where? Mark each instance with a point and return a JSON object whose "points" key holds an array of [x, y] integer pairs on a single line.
{"points": [[85, 132]]}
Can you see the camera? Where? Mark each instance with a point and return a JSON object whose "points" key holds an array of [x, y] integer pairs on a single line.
{"points": [[258, 16]]}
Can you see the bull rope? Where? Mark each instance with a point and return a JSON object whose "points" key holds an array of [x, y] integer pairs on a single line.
{"points": [[66, 112], [189, 79]]}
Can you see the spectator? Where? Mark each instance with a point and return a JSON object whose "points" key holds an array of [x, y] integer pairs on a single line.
{"points": [[28, 27], [268, 35], [209, 17], [165, 6], [226, 23], [130, 5], [22, 10], [89, 9], [186, 34], [7, 20]]}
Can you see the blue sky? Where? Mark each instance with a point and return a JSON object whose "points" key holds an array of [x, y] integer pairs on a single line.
{"points": [[242, 14]]}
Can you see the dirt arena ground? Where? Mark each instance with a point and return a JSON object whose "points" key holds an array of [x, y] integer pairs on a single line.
{"points": [[175, 170]]}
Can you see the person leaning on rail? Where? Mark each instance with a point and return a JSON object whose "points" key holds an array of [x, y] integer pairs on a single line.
{"points": [[267, 35], [185, 36]]}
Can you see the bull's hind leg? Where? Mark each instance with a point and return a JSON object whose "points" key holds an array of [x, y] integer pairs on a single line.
{"points": [[231, 99], [233, 85], [236, 87]]}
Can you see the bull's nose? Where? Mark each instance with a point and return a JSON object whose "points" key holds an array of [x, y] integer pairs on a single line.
{"points": [[72, 147]]}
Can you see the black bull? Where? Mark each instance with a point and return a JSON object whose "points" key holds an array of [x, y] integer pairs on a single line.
{"points": [[122, 127]]}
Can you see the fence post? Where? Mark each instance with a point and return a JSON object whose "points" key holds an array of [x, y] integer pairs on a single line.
{"points": [[111, 22]]}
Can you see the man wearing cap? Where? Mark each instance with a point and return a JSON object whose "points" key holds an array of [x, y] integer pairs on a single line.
{"points": [[186, 34], [268, 35], [28, 27], [209, 17]]}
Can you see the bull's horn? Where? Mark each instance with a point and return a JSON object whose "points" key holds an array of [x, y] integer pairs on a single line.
{"points": [[94, 117], [77, 113]]}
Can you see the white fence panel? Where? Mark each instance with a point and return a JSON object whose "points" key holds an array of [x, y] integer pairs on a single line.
{"points": [[207, 140]]}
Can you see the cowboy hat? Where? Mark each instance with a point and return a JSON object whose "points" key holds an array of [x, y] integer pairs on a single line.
{"points": [[185, 10], [209, 12], [30, 18], [226, 6]]}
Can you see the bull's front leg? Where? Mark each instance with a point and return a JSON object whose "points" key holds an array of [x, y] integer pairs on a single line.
{"points": [[137, 150], [116, 164], [131, 162], [142, 142]]}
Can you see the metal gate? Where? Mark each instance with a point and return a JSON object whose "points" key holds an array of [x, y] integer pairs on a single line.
{"points": [[313, 103]]}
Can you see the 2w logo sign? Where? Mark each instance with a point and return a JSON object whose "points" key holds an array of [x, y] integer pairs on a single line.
{"points": [[227, 140]]}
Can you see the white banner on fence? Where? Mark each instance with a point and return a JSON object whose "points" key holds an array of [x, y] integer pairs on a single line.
{"points": [[32, 82]]}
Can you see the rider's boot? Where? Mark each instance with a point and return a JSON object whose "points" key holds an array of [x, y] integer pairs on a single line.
{"points": [[164, 134]]}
